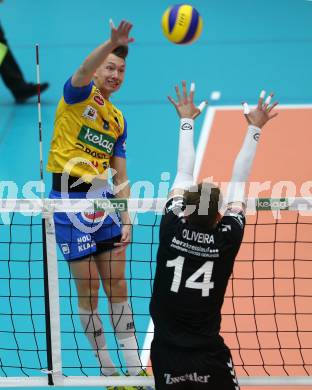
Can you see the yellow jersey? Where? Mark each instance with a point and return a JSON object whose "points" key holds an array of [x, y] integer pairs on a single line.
{"points": [[88, 131]]}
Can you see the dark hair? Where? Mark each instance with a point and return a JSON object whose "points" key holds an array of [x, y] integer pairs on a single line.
{"points": [[206, 197], [121, 51]]}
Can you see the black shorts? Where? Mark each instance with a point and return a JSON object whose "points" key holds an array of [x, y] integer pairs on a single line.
{"points": [[101, 247], [187, 369], [106, 245]]}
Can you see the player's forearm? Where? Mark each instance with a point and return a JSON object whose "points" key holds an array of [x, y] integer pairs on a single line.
{"points": [[122, 191], [125, 218], [242, 165], [85, 73], [186, 155]]}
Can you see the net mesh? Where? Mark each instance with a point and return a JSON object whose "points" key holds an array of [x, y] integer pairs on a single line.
{"points": [[266, 314], [78, 358], [22, 315]]}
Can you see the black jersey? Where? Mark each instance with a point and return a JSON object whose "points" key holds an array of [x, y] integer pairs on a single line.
{"points": [[192, 273]]}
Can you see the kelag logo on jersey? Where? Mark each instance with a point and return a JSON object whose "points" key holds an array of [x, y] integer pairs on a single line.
{"points": [[94, 138]]}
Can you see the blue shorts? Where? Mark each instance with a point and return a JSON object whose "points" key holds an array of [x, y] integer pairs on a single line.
{"points": [[80, 235]]}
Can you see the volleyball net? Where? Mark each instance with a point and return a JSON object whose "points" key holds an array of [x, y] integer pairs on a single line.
{"points": [[267, 316]]}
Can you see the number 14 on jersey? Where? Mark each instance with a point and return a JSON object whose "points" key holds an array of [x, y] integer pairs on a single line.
{"points": [[206, 270]]}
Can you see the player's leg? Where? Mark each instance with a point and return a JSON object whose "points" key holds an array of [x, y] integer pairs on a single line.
{"points": [[111, 268], [86, 278], [12, 75], [10, 71], [78, 249]]}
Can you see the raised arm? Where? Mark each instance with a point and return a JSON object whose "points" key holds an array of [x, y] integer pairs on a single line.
{"points": [[256, 119], [119, 37], [187, 112]]}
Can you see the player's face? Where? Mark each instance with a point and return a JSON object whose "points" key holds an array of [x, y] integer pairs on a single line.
{"points": [[110, 75]]}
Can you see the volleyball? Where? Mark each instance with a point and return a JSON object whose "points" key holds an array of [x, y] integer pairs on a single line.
{"points": [[182, 24]]}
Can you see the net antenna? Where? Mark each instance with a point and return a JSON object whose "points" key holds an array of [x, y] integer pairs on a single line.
{"points": [[50, 269], [39, 120]]}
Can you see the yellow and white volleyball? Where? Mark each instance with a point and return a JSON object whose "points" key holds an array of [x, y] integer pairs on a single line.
{"points": [[182, 23]]}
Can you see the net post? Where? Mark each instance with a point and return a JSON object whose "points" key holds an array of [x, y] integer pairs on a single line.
{"points": [[47, 303], [52, 304]]}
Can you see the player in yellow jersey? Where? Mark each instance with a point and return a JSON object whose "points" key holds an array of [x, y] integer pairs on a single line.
{"points": [[89, 138]]}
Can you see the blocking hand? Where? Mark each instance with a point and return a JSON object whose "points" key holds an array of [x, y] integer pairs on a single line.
{"points": [[185, 104]]}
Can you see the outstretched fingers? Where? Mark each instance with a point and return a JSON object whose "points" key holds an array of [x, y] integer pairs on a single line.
{"points": [[178, 93], [184, 103], [173, 102], [246, 111], [121, 25], [270, 108], [111, 24], [192, 91], [261, 98], [184, 91], [202, 106], [267, 101], [246, 108], [127, 27], [262, 113], [122, 30], [184, 97]]}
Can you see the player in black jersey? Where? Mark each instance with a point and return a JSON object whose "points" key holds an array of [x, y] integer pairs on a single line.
{"points": [[195, 260]]}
